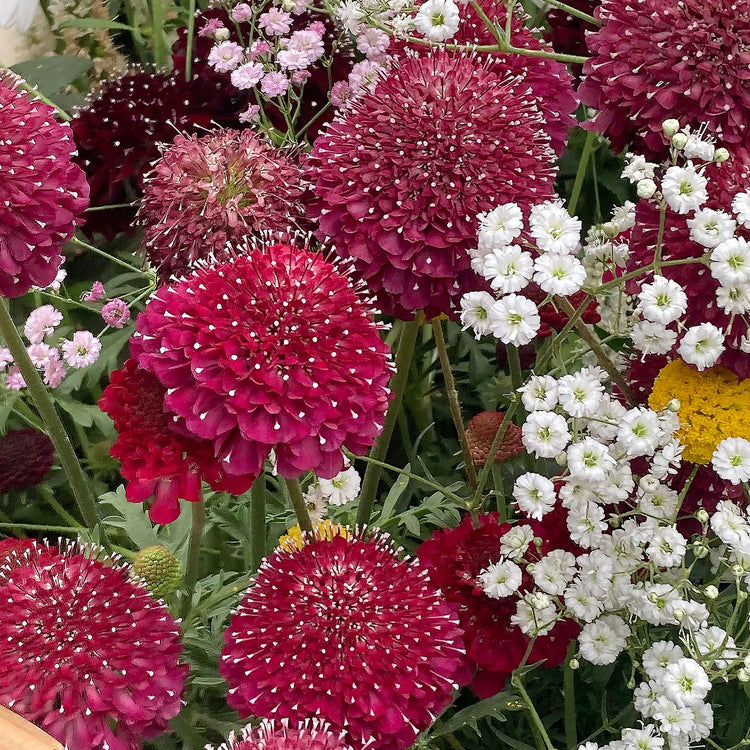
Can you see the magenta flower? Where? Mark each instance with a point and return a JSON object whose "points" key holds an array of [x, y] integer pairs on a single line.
{"points": [[95, 293], [116, 313], [281, 735]]}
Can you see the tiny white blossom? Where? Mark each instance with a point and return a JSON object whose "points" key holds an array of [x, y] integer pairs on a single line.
{"points": [[637, 168], [710, 228], [684, 189], [582, 603], [659, 656], [699, 148], [554, 571], [500, 226], [508, 269], [437, 20], [731, 460], [686, 682], [590, 460], [539, 393], [545, 434], [559, 273], [734, 300], [475, 312], [673, 719], [586, 524], [652, 338], [639, 432], [741, 208], [514, 543], [642, 739], [716, 645], [580, 394], [662, 301], [602, 641], [501, 579], [534, 494], [702, 345], [667, 547], [343, 488], [535, 614], [730, 525], [514, 320], [553, 228], [730, 262]]}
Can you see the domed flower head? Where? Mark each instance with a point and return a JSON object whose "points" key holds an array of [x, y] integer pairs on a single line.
{"points": [[342, 629], [567, 33], [42, 192], [657, 59], [401, 175], [272, 350], [280, 735], [119, 131], [157, 460], [25, 458], [480, 434], [86, 654], [221, 187], [455, 559]]}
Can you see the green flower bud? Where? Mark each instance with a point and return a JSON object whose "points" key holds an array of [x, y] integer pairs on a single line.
{"points": [[720, 155], [159, 569], [679, 140], [670, 127]]}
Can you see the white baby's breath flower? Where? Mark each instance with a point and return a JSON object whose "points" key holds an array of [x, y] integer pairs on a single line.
{"points": [[514, 543], [652, 338], [662, 301], [514, 320], [730, 262], [535, 495], [637, 168], [437, 20], [508, 269], [590, 460], [702, 345], [539, 393], [475, 312], [741, 207], [343, 488], [553, 228], [559, 273], [580, 394], [500, 226], [731, 460], [684, 189], [685, 682], [545, 434], [710, 228], [501, 579], [603, 640]]}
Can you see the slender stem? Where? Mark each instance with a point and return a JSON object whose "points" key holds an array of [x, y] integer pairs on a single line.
{"points": [[596, 347], [189, 41], [660, 237], [569, 698], [198, 511], [74, 530], [108, 256], [533, 715], [47, 494], [514, 364], [379, 451], [161, 48], [76, 478], [570, 10], [61, 113], [258, 520], [453, 402], [575, 194], [298, 503]]}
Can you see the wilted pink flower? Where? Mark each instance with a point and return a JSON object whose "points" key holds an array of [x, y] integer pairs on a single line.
{"points": [[250, 114], [326, 594], [83, 350], [95, 293], [116, 313], [101, 653], [41, 323], [42, 192], [274, 349], [211, 27], [259, 48]]}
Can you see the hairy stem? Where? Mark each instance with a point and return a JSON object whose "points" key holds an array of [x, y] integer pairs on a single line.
{"points": [[298, 503], [198, 511], [258, 520]]}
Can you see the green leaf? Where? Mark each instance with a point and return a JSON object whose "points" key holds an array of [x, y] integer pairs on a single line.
{"points": [[399, 486], [95, 23], [130, 517], [494, 707], [51, 74]]}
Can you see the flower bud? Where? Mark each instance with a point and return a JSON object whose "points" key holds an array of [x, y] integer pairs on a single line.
{"points": [[679, 614], [743, 675], [711, 592], [670, 127], [702, 516], [679, 140], [561, 459], [574, 663], [631, 684], [700, 550], [737, 570], [221, 34], [645, 188], [159, 569], [610, 229], [649, 483], [720, 155], [674, 405]]}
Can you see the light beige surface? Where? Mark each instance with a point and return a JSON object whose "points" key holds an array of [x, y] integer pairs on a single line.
{"points": [[15, 47], [17, 734]]}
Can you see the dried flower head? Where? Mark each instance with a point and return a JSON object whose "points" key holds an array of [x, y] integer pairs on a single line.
{"points": [[25, 458]]}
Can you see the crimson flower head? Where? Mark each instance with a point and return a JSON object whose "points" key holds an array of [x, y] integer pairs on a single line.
{"points": [[402, 173], [157, 460], [281, 735], [274, 349], [656, 59], [456, 557], [86, 653], [342, 629], [205, 192], [25, 458], [42, 192]]}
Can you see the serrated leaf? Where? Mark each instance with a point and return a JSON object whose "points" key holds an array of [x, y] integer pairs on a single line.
{"points": [[130, 517]]}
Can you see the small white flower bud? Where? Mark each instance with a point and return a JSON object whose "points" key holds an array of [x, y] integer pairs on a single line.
{"points": [[674, 405], [610, 229], [679, 140], [743, 675], [645, 188], [711, 592], [737, 570], [561, 459], [221, 35], [702, 516], [649, 483], [670, 127], [700, 550], [574, 664], [679, 614], [720, 155]]}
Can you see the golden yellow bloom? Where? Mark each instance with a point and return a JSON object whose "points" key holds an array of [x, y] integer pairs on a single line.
{"points": [[294, 539], [714, 404]]}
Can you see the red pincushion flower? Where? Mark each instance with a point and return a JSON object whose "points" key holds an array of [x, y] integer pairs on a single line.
{"points": [[480, 434], [279, 735], [118, 134], [11, 549], [205, 192], [42, 192], [456, 557], [272, 350], [155, 459], [403, 172], [25, 458], [86, 653], [656, 59], [726, 180], [343, 630]]}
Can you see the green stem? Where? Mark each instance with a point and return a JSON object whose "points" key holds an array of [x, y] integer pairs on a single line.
{"points": [[379, 451], [108, 256], [569, 698], [46, 493], [514, 365], [76, 478], [570, 10], [298, 503], [194, 552], [453, 402], [575, 194], [189, 41], [258, 520], [61, 113], [660, 237], [161, 48], [533, 715], [38, 527]]}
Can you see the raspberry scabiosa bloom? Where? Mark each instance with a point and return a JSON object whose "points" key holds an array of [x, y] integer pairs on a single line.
{"points": [[372, 646], [86, 653], [274, 349], [403, 172], [205, 192], [156, 460], [281, 735], [42, 192], [654, 58]]}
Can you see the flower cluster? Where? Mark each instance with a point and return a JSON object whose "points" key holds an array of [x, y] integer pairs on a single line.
{"points": [[336, 491]]}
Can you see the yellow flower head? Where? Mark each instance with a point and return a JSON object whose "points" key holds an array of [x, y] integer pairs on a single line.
{"points": [[714, 404], [294, 539]]}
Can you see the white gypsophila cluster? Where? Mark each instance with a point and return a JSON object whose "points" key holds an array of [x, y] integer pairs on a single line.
{"points": [[341, 489], [510, 263]]}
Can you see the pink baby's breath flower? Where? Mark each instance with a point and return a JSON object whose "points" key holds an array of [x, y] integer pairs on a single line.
{"points": [[225, 56], [42, 354], [341, 93], [83, 350], [5, 357], [95, 293], [250, 114], [275, 22], [365, 75], [274, 84], [247, 75], [373, 43], [242, 12], [293, 59], [317, 28], [116, 313], [300, 76], [15, 381], [309, 41], [41, 322], [54, 373], [211, 27], [259, 48]]}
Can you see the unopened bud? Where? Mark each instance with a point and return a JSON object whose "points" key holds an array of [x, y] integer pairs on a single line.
{"points": [[702, 516], [679, 140], [679, 614], [159, 569], [645, 188], [720, 155], [561, 459], [649, 483], [670, 127], [631, 684], [611, 229], [737, 570], [674, 405], [711, 591], [743, 675], [221, 34], [700, 550], [574, 663]]}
